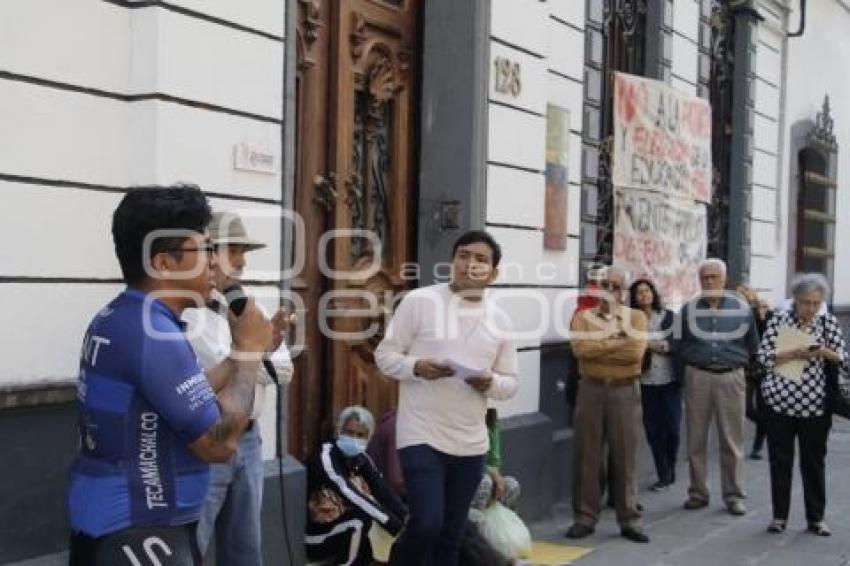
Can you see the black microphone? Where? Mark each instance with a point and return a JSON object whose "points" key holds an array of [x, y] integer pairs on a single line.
{"points": [[237, 300]]}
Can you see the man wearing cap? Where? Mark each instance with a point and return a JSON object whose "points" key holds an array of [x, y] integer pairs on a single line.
{"points": [[232, 509]]}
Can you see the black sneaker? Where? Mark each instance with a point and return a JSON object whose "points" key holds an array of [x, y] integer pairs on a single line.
{"points": [[693, 503], [579, 531], [634, 535]]}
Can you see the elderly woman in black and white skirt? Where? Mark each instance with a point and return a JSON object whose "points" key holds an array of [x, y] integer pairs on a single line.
{"points": [[796, 408]]}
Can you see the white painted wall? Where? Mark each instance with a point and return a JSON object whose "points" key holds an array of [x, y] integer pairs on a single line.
{"points": [[547, 39], [818, 65], [685, 46], [767, 229], [685, 49], [53, 132]]}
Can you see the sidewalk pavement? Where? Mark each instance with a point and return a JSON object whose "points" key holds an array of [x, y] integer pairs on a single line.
{"points": [[711, 536]]}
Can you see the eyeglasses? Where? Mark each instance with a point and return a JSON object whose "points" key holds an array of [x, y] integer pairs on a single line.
{"points": [[206, 248], [611, 285]]}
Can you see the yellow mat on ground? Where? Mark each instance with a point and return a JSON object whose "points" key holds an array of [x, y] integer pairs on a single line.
{"points": [[548, 554]]}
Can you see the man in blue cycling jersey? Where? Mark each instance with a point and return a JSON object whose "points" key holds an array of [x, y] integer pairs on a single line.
{"points": [[149, 422]]}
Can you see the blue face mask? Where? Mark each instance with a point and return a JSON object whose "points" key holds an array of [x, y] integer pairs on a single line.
{"points": [[350, 446]]}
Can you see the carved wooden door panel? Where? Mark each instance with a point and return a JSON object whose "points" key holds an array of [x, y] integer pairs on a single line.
{"points": [[314, 198], [374, 100], [355, 183]]}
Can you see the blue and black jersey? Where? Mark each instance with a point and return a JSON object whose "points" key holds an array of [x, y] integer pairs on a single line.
{"points": [[142, 400]]}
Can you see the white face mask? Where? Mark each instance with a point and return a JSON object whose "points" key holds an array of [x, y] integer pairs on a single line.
{"points": [[350, 445]]}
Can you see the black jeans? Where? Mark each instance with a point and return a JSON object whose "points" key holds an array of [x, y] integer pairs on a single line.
{"points": [[662, 419], [755, 412], [811, 433], [169, 546]]}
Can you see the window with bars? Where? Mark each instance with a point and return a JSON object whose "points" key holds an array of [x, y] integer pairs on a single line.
{"points": [[635, 36], [726, 73], [815, 215], [615, 40], [718, 40]]}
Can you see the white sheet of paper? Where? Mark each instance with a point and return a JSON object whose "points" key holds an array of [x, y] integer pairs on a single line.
{"points": [[463, 372], [790, 338]]}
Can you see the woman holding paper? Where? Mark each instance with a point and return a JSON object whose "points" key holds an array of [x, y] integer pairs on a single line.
{"points": [[796, 344]]}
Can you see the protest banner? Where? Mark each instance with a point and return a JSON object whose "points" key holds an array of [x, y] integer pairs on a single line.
{"points": [[662, 139], [661, 238]]}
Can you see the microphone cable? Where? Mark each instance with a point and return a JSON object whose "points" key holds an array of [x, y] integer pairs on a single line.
{"points": [[279, 457]]}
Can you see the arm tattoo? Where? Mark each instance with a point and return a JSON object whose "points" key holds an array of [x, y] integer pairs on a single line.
{"points": [[222, 429], [237, 402]]}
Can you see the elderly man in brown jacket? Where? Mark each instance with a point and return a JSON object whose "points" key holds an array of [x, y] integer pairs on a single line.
{"points": [[609, 341]]}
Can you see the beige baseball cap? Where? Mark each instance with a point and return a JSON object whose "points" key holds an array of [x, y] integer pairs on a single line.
{"points": [[228, 228]]}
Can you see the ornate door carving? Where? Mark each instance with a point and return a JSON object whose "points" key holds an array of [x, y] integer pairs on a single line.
{"points": [[356, 172]]}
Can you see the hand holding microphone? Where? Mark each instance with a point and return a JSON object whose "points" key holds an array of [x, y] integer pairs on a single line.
{"points": [[251, 330], [246, 317]]}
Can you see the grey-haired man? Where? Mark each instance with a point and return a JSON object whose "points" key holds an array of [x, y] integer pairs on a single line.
{"points": [[718, 339]]}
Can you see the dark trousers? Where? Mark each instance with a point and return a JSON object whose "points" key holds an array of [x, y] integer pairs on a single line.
{"points": [[475, 550], [344, 541], [609, 414], [759, 438], [168, 546], [662, 420], [811, 433], [755, 412], [440, 488]]}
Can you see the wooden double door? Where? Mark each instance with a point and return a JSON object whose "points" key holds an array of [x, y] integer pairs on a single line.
{"points": [[356, 111]]}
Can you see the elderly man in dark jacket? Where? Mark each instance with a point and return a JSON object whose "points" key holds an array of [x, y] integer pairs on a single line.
{"points": [[718, 338]]}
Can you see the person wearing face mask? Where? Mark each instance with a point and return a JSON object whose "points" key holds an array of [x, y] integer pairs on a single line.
{"points": [[347, 495]]}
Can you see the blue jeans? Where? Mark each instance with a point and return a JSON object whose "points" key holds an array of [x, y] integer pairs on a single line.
{"points": [[232, 509], [439, 488]]}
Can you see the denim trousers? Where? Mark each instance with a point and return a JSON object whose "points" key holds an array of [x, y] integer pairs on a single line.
{"points": [[231, 512], [440, 488]]}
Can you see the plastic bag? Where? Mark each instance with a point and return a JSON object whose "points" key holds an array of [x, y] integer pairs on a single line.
{"points": [[382, 543], [506, 532]]}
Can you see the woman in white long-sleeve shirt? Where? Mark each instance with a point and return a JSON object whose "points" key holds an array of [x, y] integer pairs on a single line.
{"points": [[450, 346]]}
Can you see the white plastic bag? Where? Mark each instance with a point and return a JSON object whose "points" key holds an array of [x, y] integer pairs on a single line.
{"points": [[506, 532]]}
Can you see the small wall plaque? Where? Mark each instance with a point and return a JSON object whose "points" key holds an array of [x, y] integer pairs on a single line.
{"points": [[255, 158]]}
